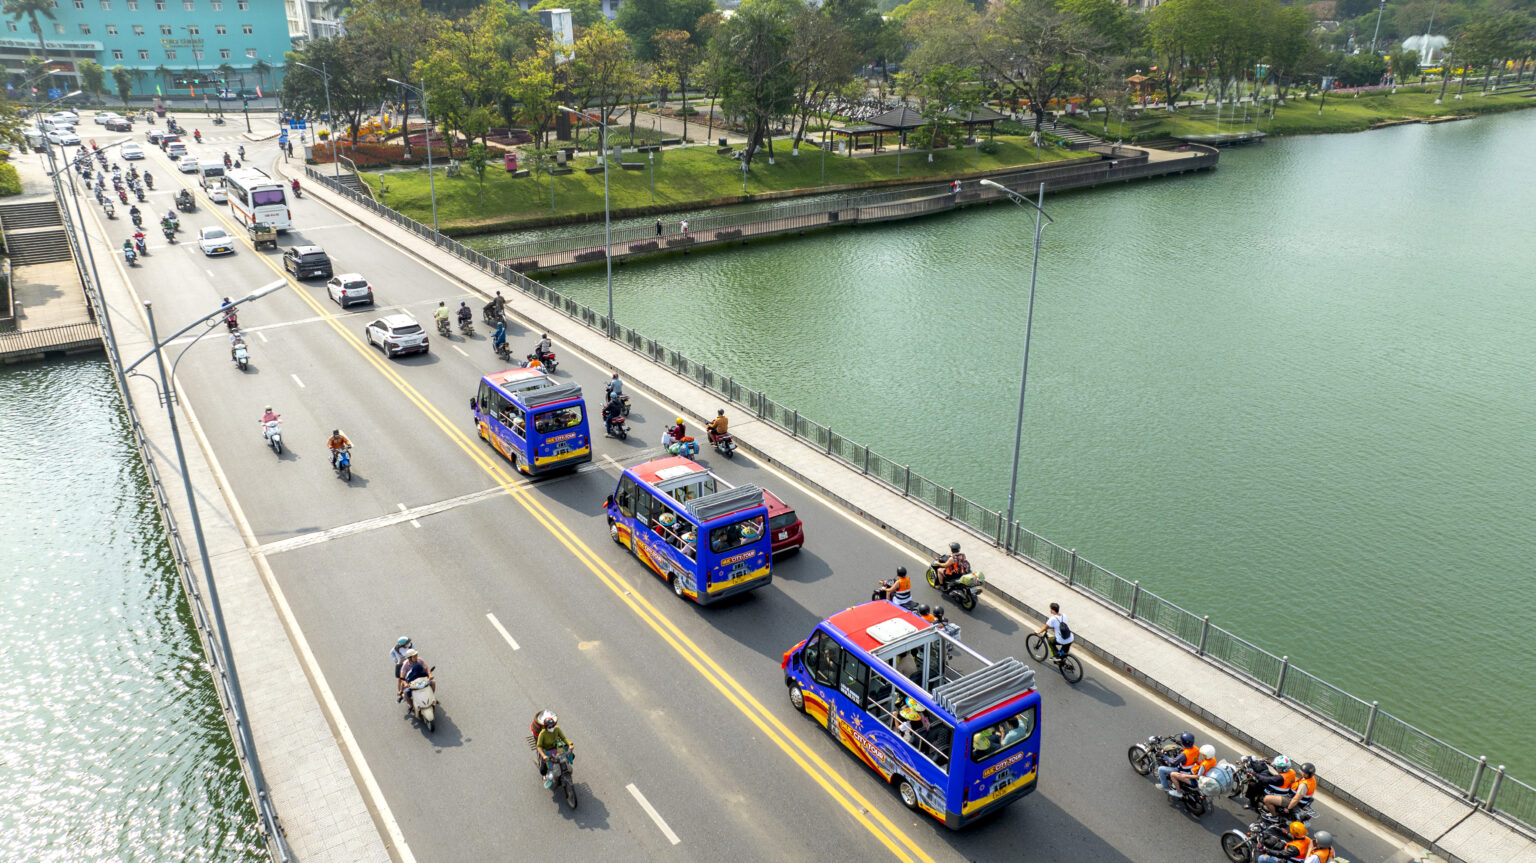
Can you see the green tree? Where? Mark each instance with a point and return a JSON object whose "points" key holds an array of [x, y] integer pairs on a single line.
{"points": [[477, 156], [353, 96], [1287, 45], [163, 74], [944, 88], [603, 71], [1405, 64], [30, 9], [226, 73], [873, 38], [756, 79], [584, 13], [261, 68], [384, 39], [93, 78], [534, 89], [1034, 50], [122, 77], [643, 19]]}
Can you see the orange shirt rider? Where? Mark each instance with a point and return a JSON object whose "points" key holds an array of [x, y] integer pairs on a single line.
{"points": [[954, 567]]}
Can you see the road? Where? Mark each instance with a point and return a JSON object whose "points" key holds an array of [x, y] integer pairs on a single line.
{"points": [[675, 710]]}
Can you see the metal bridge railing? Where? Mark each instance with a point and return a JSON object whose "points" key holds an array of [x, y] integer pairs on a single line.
{"points": [[1453, 768]]}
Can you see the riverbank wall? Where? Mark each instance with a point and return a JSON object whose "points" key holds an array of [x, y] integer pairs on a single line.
{"points": [[1422, 787]]}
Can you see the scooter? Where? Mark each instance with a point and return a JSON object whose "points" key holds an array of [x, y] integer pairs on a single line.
{"points": [[111, 210], [138, 219], [961, 590], [686, 448], [623, 399], [170, 233], [550, 363], [139, 190], [503, 351], [883, 585], [423, 700], [343, 465], [131, 257], [616, 427], [442, 326], [138, 243], [240, 354], [197, 136], [724, 444], [149, 181], [298, 192], [561, 774], [273, 432], [467, 327], [122, 194]]}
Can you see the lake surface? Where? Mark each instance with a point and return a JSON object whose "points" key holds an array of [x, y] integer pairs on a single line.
{"points": [[1294, 393], [112, 742]]}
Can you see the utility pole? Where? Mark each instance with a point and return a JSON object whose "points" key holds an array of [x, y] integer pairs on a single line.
{"points": [[1379, 9]]}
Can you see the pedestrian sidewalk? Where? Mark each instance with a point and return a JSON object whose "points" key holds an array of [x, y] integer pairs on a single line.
{"points": [[1364, 778], [317, 797]]}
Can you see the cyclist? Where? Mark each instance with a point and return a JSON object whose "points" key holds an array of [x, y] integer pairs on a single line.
{"points": [[1057, 634]]}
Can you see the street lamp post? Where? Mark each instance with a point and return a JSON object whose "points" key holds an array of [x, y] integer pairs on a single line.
{"points": [[651, 157], [431, 181], [325, 81], [607, 210], [1029, 321]]}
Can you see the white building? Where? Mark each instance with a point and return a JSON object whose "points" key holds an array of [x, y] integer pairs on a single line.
{"points": [[308, 19]]}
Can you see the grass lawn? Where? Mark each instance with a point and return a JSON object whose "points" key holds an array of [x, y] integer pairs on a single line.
{"points": [[684, 177], [1298, 116]]}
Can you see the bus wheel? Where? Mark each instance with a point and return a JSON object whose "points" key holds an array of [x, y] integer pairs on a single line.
{"points": [[613, 531], [797, 699], [908, 792], [677, 587]]}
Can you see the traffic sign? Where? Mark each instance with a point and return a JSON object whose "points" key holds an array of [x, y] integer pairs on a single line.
{"points": [[55, 93]]}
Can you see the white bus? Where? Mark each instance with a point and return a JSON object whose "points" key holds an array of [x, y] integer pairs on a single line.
{"points": [[256, 197]]}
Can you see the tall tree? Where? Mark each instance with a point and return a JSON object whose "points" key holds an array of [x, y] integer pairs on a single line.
{"points": [[384, 39], [261, 68], [676, 55], [1287, 46], [353, 96], [30, 9], [756, 79], [603, 71], [1034, 50], [92, 77], [643, 19], [123, 78], [534, 89]]}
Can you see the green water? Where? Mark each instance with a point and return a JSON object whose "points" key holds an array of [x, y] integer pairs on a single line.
{"points": [[1294, 393], [112, 743]]}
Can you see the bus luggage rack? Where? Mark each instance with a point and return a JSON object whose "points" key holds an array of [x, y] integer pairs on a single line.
{"points": [[547, 395], [725, 501], [976, 692]]}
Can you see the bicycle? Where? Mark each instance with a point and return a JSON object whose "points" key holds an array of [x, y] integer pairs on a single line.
{"points": [[1037, 645]]}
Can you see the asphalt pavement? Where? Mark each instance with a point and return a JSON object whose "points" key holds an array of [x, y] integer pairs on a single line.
{"points": [[687, 745]]}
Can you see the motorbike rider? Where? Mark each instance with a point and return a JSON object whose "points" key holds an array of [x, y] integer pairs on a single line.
{"points": [[496, 306], [1305, 787], [612, 409], [532, 362], [1296, 849], [1058, 633], [241, 151], [924, 612], [134, 214], [267, 417], [148, 180], [550, 738], [717, 426], [1272, 777], [1322, 848], [197, 135], [955, 566], [337, 441], [227, 160], [544, 350], [128, 249], [615, 386], [413, 668], [499, 338], [295, 186], [1179, 778], [397, 656], [1186, 759], [465, 315], [679, 431], [236, 340], [441, 313], [899, 590]]}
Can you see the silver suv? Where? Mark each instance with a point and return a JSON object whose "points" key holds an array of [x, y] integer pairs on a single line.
{"points": [[397, 334]]}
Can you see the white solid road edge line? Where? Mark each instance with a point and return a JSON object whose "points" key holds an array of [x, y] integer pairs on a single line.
{"points": [[363, 774], [501, 629], [651, 811]]}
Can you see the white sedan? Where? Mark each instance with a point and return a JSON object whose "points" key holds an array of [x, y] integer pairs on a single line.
{"points": [[102, 117], [132, 151], [64, 137], [215, 241], [187, 165], [216, 192]]}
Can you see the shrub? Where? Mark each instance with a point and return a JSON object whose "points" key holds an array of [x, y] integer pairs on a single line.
{"points": [[10, 181], [649, 246], [991, 148], [594, 255], [368, 155], [728, 235]]}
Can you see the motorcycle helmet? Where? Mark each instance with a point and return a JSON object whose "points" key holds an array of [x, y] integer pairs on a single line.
{"points": [[1299, 830], [938, 613], [954, 548], [1207, 751], [922, 610], [269, 407], [900, 570], [1323, 839], [402, 641], [335, 432], [549, 720], [679, 420], [1187, 739], [1308, 770], [410, 654], [1281, 763], [720, 412]]}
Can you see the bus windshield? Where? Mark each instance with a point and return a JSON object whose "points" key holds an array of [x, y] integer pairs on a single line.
{"points": [[992, 741], [267, 197], [558, 420], [728, 538]]}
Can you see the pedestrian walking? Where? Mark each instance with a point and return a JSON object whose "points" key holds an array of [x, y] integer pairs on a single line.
{"points": [[658, 227], [685, 227]]}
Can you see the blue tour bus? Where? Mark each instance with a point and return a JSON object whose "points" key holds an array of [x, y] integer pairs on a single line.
{"points": [[703, 536], [538, 423], [957, 734]]}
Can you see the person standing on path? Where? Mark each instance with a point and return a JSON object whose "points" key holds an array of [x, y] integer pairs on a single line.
{"points": [[658, 227], [684, 225]]}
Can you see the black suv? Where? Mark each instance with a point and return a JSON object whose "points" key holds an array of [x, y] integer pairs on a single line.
{"points": [[307, 262]]}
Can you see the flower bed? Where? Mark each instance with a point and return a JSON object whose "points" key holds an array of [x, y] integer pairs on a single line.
{"points": [[728, 235], [594, 255], [371, 155], [643, 247]]}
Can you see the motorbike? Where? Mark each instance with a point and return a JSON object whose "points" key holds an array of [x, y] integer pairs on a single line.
{"points": [[240, 354], [122, 195], [148, 180], [1161, 751], [489, 316], [549, 361], [442, 326], [131, 256], [139, 191], [218, 121], [423, 701], [170, 233], [298, 192], [138, 219], [343, 465], [111, 210], [467, 327], [883, 585], [963, 590], [138, 244], [273, 432], [724, 444], [198, 137], [1245, 846], [616, 427], [503, 351], [685, 448], [1245, 775], [563, 778], [623, 399], [232, 322]]}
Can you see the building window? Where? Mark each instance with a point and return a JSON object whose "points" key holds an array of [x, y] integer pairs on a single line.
{"points": [[170, 53], [107, 5], [243, 5], [159, 5], [116, 54], [133, 5], [217, 5], [197, 53], [143, 54], [85, 29], [246, 29], [250, 53], [138, 29], [223, 53], [165, 29], [12, 25], [188, 5], [193, 30], [111, 29], [79, 4], [59, 29], [219, 29]]}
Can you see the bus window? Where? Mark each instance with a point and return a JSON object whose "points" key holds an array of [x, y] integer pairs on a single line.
{"points": [[854, 679], [725, 539], [268, 197], [559, 420], [993, 739], [880, 696], [823, 656], [624, 498], [929, 735]]}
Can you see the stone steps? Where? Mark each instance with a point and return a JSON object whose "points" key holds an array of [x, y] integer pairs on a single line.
{"points": [[35, 214]]}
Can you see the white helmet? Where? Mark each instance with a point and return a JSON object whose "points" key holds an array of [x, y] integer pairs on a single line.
{"points": [[1207, 751]]}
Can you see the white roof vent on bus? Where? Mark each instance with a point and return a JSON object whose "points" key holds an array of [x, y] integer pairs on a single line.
{"points": [[888, 631], [677, 470]]}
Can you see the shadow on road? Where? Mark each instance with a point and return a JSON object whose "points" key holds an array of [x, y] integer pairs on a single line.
{"points": [[445, 733], [590, 812], [801, 566]]}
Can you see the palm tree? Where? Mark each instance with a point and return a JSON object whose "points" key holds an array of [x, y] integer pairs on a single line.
{"points": [[164, 73], [261, 68], [226, 72], [29, 9]]}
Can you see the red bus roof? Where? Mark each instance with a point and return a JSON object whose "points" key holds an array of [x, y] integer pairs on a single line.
{"points": [[510, 375], [650, 472], [855, 622]]}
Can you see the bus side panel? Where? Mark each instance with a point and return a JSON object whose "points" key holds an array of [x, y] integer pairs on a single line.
{"points": [[501, 438], [875, 744], [661, 557]]}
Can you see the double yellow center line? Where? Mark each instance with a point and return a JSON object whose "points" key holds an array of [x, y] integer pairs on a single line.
{"points": [[792, 746]]}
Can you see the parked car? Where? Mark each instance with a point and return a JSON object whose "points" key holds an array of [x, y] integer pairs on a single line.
{"points": [[784, 529], [307, 262], [215, 241], [119, 124], [102, 117], [131, 150], [350, 289], [187, 164], [64, 136], [397, 334]]}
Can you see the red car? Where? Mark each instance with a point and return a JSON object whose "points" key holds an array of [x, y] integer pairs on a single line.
{"points": [[783, 525]]}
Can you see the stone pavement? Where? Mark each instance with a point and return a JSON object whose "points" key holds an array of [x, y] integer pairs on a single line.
{"points": [[317, 797], [1349, 772], [48, 295]]}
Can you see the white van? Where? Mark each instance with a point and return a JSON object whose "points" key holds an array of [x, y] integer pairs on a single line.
{"points": [[211, 171]]}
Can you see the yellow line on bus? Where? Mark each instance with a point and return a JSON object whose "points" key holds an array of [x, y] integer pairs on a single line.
{"points": [[812, 764]]}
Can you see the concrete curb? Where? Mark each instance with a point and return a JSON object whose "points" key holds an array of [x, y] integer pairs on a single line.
{"points": [[1366, 779]]}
